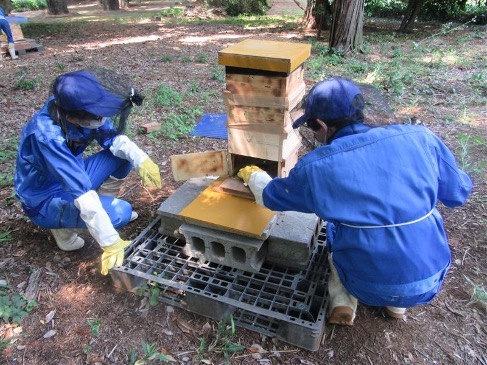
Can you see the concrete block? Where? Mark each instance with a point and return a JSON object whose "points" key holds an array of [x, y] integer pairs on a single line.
{"points": [[292, 239], [229, 249], [170, 208]]}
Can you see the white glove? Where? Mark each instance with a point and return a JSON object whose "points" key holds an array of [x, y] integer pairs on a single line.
{"points": [[257, 183], [123, 147], [96, 218]]}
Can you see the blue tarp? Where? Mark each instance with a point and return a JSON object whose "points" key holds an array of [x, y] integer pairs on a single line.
{"points": [[211, 125], [16, 19]]}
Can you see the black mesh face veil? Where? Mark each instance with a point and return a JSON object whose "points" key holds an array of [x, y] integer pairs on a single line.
{"points": [[122, 95]]}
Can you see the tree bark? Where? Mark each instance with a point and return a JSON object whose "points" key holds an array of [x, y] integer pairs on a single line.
{"points": [[6, 5], [346, 33], [412, 11], [315, 15], [57, 7], [111, 5]]}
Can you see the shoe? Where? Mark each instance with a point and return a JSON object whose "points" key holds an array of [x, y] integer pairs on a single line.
{"points": [[341, 315], [134, 216], [67, 239], [394, 312]]}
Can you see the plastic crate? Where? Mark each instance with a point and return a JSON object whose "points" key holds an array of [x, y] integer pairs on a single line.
{"points": [[280, 302]]}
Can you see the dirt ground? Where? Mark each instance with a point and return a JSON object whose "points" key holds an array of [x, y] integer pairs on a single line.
{"points": [[73, 297]]}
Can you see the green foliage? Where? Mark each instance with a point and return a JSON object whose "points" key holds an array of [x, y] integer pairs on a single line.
{"points": [[222, 342], [167, 96], [465, 153], [149, 355], [479, 294], [246, 7], [94, 327], [201, 58], [179, 120], [443, 9], [384, 8], [14, 307], [166, 58], [8, 154], [5, 237], [151, 290], [171, 12], [24, 83], [218, 73], [21, 5]]}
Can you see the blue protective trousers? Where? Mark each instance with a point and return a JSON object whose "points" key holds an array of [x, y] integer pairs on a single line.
{"points": [[5, 27], [59, 210]]}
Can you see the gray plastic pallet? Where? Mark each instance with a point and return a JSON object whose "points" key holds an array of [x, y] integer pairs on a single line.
{"points": [[285, 303]]}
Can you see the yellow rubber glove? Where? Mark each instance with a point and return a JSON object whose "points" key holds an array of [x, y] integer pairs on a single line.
{"points": [[149, 173], [113, 255], [245, 172]]}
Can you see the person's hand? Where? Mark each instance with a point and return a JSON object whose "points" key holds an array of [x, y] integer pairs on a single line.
{"points": [[149, 173], [113, 255], [245, 172]]}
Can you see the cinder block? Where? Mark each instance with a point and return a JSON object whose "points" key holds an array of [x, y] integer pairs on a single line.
{"points": [[170, 208], [229, 249], [292, 239]]}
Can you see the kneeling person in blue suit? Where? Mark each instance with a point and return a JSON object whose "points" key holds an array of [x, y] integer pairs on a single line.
{"points": [[377, 189], [62, 190]]}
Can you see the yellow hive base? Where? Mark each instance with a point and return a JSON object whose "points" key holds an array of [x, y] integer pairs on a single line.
{"points": [[227, 212]]}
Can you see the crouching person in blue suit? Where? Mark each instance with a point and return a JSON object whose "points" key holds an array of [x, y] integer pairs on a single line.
{"points": [[377, 189], [62, 190]]}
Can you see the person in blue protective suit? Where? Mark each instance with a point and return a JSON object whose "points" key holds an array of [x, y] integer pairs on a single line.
{"points": [[377, 189], [64, 191], [5, 28]]}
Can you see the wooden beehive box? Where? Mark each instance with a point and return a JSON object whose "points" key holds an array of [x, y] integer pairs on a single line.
{"points": [[264, 83], [265, 55]]}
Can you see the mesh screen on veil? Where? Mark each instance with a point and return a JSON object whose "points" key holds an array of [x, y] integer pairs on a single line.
{"points": [[98, 91]]}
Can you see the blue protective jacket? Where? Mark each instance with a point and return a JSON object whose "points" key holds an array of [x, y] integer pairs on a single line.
{"points": [[378, 188], [50, 162]]}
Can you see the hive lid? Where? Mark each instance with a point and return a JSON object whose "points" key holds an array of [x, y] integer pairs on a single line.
{"points": [[265, 55]]}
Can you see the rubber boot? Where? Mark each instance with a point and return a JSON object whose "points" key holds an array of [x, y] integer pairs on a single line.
{"points": [[11, 50], [343, 305], [111, 187], [395, 312], [67, 239]]}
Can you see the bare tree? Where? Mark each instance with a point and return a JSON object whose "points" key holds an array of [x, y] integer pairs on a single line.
{"points": [[346, 33], [412, 11], [57, 7]]}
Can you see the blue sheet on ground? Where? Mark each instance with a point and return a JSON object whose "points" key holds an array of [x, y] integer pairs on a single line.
{"points": [[17, 19], [211, 125]]}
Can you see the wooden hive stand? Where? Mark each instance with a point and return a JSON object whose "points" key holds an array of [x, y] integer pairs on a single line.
{"points": [[22, 45]]}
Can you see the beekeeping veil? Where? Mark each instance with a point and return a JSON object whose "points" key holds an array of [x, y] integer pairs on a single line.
{"points": [[95, 93]]}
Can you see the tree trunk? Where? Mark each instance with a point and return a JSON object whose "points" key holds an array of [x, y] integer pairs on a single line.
{"points": [[309, 21], [57, 7], [412, 11], [6, 5], [346, 33], [111, 5], [315, 15]]}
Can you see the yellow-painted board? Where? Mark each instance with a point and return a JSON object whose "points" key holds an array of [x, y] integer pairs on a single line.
{"points": [[228, 212], [265, 55]]}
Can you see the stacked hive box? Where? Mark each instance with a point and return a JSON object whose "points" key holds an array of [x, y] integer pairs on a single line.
{"points": [[264, 83]]}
